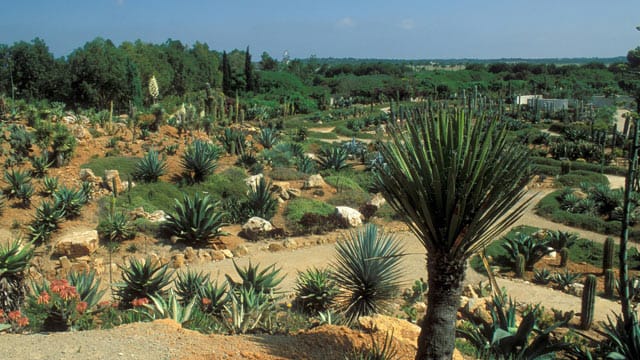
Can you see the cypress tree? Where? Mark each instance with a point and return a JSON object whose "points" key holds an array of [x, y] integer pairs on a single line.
{"points": [[248, 71], [226, 74], [134, 82]]}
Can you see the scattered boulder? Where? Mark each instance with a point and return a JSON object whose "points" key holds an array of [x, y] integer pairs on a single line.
{"points": [[190, 253], [377, 200], [177, 261], [351, 216], [314, 181], [240, 250], [575, 289], [80, 133], [227, 253], [253, 181], [294, 193], [281, 190], [256, 227], [218, 255], [275, 247], [65, 263], [77, 244], [290, 243], [89, 176]]}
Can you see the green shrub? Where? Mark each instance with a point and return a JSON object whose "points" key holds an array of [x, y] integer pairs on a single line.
{"points": [[342, 183], [200, 160], [575, 178], [126, 165], [296, 208], [286, 174]]}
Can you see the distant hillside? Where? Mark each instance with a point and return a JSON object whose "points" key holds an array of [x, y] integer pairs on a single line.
{"points": [[556, 61]]}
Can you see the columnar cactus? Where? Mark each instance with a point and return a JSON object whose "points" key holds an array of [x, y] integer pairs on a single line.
{"points": [[564, 256], [588, 302], [609, 282], [608, 251], [520, 262]]}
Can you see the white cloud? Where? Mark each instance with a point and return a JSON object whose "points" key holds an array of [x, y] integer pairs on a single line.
{"points": [[346, 22], [407, 24]]}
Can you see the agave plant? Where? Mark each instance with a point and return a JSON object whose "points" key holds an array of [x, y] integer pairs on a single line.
{"points": [[505, 339], [14, 261], [196, 219], [188, 285], [624, 340], [566, 278], [87, 286], [49, 185], [262, 281], [247, 159], [200, 160], [315, 290], [142, 279], [532, 248], [24, 194], [171, 308], [245, 309], [116, 227], [542, 276], [559, 239], [47, 219], [150, 167], [333, 158], [70, 201], [16, 179], [40, 164], [268, 137], [306, 165], [213, 297], [260, 201], [367, 270]]}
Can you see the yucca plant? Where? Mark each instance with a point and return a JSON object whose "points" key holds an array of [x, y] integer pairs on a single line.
{"points": [[14, 262], [213, 297], [247, 159], [367, 270], [262, 281], [87, 286], [459, 182], [47, 220], [624, 340], [306, 165], [150, 167], [268, 137], [333, 158], [70, 201], [16, 179], [200, 160], [315, 290], [142, 279], [188, 285], [196, 219], [116, 227], [49, 185], [40, 164]]}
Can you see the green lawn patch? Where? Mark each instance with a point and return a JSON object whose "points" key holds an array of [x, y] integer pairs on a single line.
{"points": [[125, 165]]}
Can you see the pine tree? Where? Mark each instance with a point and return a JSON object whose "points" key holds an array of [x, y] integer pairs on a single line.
{"points": [[226, 74], [248, 71]]}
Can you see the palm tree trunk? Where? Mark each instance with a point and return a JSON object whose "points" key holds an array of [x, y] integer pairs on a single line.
{"points": [[438, 334]]}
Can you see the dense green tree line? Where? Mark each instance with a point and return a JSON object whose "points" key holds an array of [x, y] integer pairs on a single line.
{"points": [[100, 72]]}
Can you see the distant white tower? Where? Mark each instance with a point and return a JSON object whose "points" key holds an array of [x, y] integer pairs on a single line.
{"points": [[285, 57]]}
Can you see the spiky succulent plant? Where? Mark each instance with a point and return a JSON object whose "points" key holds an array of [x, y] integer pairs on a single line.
{"points": [[200, 160], [14, 261], [142, 279], [150, 167], [196, 219]]}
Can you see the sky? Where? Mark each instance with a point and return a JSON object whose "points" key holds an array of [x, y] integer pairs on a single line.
{"points": [[420, 29]]}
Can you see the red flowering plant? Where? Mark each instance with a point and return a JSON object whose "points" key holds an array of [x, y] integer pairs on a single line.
{"points": [[57, 306], [13, 321]]}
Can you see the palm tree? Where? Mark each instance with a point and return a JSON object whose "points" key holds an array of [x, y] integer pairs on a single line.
{"points": [[459, 184]]}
